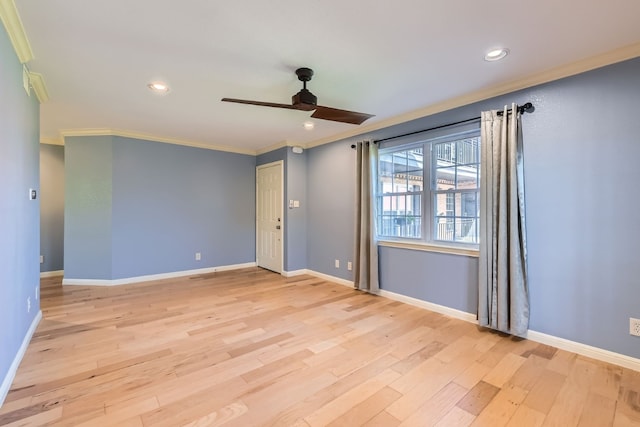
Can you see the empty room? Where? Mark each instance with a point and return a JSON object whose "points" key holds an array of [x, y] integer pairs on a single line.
{"points": [[319, 213]]}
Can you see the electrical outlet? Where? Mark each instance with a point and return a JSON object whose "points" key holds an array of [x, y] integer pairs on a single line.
{"points": [[634, 326], [41, 259], [37, 292], [349, 266], [198, 256], [337, 263], [28, 304]]}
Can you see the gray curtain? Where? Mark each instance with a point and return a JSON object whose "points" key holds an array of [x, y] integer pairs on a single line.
{"points": [[503, 297], [366, 268]]}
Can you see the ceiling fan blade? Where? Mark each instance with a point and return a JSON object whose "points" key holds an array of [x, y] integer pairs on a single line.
{"points": [[260, 103], [337, 115]]}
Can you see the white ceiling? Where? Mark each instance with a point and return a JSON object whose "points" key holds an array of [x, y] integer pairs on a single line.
{"points": [[385, 58]]}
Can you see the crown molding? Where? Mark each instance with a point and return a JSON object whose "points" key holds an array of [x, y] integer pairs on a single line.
{"points": [[86, 132], [278, 146], [51, 141], [127, 134], [567, 70], [272, 148], [153, 138], [13, 24], [40, 89]]}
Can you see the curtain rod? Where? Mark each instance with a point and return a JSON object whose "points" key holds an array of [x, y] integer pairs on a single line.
{"points": [[528, 107]]}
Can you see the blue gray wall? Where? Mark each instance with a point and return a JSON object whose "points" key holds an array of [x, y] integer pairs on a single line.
{"points": [[429, 277], [295, 220], [296, 189], [52, 207], [581, 171], [331, 215], [19, 216], [581, 154], [87, 211], [137, 208]]}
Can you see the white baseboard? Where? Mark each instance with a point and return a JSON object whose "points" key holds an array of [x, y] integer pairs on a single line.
{"points": [[452, 312], [295, 273], [137, 279], [319, 275], [56, 273], [232, 267], [11, 374], [585, 350], [329, 278], [561, 343]]}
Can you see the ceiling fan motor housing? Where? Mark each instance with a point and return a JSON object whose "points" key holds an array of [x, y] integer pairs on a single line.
{"points": [[303, 99]]}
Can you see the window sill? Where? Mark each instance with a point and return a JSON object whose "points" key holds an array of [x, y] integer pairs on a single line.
{"points": [[430, 247]]}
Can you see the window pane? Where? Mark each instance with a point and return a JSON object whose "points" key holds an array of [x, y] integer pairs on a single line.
{"points": [[457, 164], [385, 173], [457, 178], [400, 216], [467, 151], [445, 204], [450, 204], [456, 229], [445, 153], [400, 184], [446, 178], [466, 230], [467, 178], [468, 205]]}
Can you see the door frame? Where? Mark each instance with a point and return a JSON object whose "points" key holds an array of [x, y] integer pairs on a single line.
{"points": [[279, 163]]}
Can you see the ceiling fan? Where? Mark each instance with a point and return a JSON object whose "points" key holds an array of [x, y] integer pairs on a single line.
{"points": [[306, 101]]}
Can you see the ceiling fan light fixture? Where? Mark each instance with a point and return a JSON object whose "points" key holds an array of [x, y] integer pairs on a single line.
{"points": [[158, 87], [496, 54], [308, 125]]}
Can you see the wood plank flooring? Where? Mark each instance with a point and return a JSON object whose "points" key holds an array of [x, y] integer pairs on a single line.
{"points": [[252, 348]]}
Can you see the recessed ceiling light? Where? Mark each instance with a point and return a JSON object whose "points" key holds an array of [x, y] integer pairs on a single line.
{"points": [[496, 54], [308, 125], [158, 87]]}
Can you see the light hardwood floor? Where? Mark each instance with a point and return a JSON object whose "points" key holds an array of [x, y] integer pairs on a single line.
{"points": [[251, 348]]}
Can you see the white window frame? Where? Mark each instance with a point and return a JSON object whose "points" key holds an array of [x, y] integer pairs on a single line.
{"points": [[428, 219]]}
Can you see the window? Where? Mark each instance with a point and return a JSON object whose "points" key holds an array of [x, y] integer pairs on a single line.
{"points": [[446, 210]]}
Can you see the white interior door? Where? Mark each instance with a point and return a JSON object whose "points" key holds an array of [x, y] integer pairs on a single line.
{"points": [[269, 216]]}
